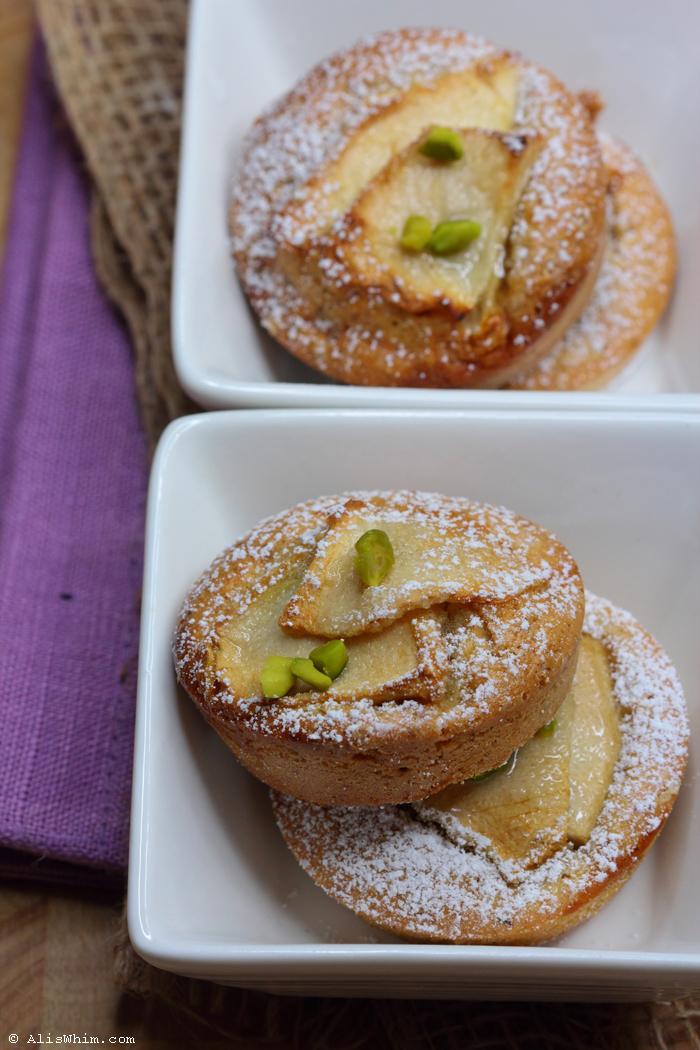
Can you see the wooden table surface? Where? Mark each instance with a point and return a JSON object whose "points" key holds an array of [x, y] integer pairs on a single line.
{"points": [[56, 955]]}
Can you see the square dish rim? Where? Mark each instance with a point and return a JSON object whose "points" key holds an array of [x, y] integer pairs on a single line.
{"points": [[211, 391], [312, 962]]}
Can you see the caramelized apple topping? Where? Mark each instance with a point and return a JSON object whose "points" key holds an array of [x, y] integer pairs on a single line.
{"points": [[553, 790], [469, 203], [434, 562]]}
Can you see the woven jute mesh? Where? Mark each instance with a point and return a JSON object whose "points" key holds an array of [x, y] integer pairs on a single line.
{"points": [[118, 65]]}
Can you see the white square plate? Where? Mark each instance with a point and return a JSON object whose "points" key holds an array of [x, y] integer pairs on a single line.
{"points": [[213, 891], [644, 58]]}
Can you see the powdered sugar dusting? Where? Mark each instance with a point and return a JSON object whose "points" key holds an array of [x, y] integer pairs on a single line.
{"points": [[492, 675], [405, 874], [553, 239], [632, 288], [299, 134], [441, 557]]}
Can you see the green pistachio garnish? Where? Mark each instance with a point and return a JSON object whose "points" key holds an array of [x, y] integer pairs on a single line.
{"points": [[442, 144], [276, 677], [483, 776], [330, 658], [453, 236], [374, 557], [417, 231], [303, 669], [548, 729], [496, 769]]}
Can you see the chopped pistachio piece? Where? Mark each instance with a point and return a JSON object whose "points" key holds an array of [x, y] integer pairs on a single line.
{"points": [[442, 144], [482, 776], [330, 658], [548, 729], [453, 236], [496, 769], [417, 231], [374, 557], [276, 677], [303, 669]]}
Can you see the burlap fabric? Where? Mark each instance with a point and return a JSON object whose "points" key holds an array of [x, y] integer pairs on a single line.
{"points": [[118, 65]]}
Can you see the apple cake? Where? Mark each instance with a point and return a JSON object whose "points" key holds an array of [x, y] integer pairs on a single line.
{"points": [[374, 648], [632, 289], [426, 209], [536, 846]]}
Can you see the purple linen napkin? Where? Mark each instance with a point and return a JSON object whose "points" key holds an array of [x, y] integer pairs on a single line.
{"points": [[72, 493]]}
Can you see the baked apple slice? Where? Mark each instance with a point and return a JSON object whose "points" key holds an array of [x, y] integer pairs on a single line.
{"points": [[595, 739], [403, 660], [473, 193], [436, 560], [517, 814], [483, 95], [552, 790]]}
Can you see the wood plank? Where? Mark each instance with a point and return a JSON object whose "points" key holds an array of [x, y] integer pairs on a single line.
{"points": [[22, 958], [79, 991]]}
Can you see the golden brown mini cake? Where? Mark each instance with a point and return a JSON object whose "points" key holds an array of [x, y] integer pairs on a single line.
{"points": [[463, 648], [332, 174], [532, 849]]}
